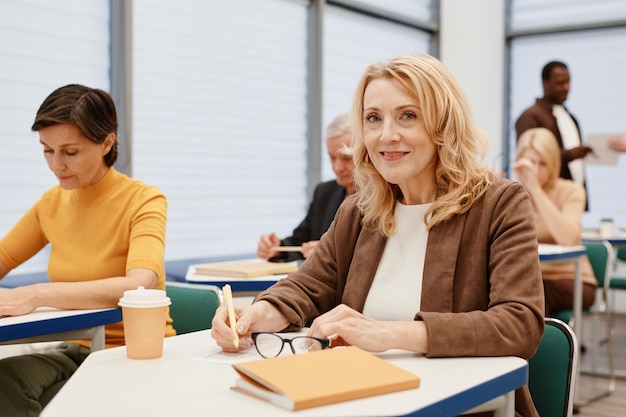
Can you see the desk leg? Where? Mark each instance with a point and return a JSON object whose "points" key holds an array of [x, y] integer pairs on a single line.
{"points": [[508, 408], [578, 308], [97, 340], [578, 299]]}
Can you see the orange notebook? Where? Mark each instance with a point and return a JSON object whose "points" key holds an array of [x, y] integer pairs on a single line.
{"points": [[323, 377], [245, 269]]}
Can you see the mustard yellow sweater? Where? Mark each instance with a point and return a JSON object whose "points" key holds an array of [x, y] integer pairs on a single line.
{"points": [[95, 232]]}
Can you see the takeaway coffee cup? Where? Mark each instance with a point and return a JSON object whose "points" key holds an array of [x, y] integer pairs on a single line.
{"points": [[606, 227], [144, 312]]}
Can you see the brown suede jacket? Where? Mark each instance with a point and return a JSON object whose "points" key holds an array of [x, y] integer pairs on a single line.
{"points": [[482, 293]]}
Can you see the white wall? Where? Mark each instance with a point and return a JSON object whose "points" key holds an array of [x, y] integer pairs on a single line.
{"points": [[472, 46]]}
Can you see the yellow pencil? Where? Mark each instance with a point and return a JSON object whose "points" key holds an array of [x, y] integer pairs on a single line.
{"points": [[232, 318]]}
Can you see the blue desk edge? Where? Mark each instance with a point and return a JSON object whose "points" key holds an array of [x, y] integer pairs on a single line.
{"points": [[60, 324], [477, 395]]}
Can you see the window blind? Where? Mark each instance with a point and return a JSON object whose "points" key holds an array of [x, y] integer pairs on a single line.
{"points": [[352, 41], [416, 9], [542, 14], [44, 45], [219, 119]]}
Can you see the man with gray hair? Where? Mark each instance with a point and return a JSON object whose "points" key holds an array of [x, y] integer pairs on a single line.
{"points": [[327, 198]]}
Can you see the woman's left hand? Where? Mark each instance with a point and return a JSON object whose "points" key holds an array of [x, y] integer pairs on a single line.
{"points": [[345, 326]]}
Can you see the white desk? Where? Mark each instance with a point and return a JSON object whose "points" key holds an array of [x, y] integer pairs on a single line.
{"points": [[178, 384], [47, 324], [617, 239]]}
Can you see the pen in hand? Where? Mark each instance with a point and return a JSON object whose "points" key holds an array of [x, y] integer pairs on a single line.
{"points": [[232, 318]]}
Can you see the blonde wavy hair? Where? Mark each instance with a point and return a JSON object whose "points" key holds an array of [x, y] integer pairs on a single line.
{"points": [[460, 174]]}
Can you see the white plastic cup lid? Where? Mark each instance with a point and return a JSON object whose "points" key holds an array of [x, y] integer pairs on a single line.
{"points": [[143, 298]]}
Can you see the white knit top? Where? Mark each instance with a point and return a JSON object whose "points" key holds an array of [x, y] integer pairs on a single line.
{"points": [[397, 288]]}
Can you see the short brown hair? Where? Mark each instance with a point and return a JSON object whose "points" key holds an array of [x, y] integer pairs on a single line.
{"points": [[90, 110]]}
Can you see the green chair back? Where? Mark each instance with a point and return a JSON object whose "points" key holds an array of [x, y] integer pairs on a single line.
{"points": [[617, 282], [193, 306], [552, 370], [598, 254], [599, 258]]}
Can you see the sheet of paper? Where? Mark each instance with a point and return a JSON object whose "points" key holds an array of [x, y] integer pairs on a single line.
{"points": [[602, 155], [217, 355]]}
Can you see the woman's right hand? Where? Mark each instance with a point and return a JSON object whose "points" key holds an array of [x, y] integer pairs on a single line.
{"points": [[223, 334], [526, 172], [266, 243], [260, 316]]}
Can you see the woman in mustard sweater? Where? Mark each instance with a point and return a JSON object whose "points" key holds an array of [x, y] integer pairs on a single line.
{"points": [[106, 232]]}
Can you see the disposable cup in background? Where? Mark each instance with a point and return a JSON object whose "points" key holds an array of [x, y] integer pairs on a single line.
{"points": [[606, 227], [144, 313]]}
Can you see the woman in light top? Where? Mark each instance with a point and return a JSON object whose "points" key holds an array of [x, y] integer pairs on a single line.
{"points": [[106, 233], [433, 254], [558, 205]]}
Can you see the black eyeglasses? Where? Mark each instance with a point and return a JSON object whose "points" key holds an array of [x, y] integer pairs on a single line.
{"points": [[269, 345]]}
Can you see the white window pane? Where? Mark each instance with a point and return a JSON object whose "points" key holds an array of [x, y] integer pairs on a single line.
{"points": [[219, 119], [44, 45], [537, 14], [416, 9], [352, 41]]}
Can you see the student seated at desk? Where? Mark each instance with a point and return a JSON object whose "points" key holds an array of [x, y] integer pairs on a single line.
{"points": [[326, 199], [106, 231], [558, 205], [434, 254]]}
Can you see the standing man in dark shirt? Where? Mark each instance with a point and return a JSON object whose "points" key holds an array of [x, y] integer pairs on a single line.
{"points": [[550, 113], [327, 198]]}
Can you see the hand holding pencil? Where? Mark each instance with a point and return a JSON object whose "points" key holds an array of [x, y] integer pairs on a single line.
{"points": [[232, 317], [232, 326], [266, 245]]}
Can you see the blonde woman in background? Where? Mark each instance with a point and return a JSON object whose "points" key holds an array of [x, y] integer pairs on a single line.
{"points": [[558, 205]]}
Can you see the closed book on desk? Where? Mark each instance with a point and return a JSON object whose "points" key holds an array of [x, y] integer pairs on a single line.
{"points": [[245, 269], [322, 377]]}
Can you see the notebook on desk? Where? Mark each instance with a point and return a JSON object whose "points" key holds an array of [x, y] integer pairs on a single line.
{"points": [[323, 377], [245, 269]]}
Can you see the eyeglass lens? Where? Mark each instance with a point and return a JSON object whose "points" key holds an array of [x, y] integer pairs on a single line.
{"points": [[270, 345]]}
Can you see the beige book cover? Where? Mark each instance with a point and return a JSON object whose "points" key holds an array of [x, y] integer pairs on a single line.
{"points": [[245, 269], [323, 377]]}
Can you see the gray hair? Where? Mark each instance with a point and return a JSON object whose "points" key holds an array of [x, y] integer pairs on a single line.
{"points": [[341, 125]]}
